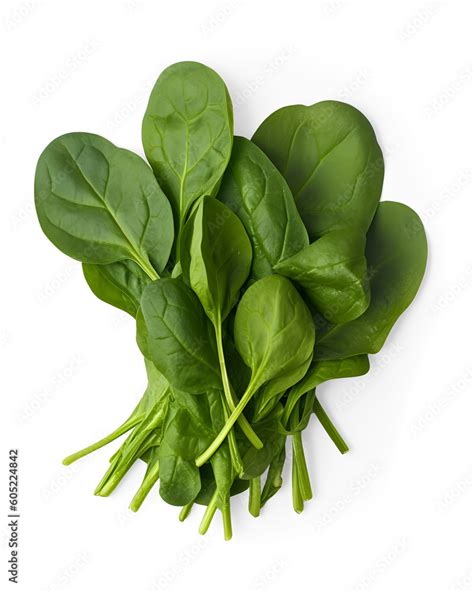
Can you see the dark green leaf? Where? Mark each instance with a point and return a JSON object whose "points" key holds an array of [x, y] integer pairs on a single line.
{"points": [[396, 254], [100, 204], [329, 155], [274, 334], [273, 331], [215, 257], [255, 190], [333, 274], [187, 133], [192, 424], [179, 477], [180, 340], [120, 284]]}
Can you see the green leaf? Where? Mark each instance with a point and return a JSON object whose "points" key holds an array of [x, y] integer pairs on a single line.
{"points": [[179, 338], [274, 334], [215, 257], [191, 425], [274, 331], [396, 254], [256, 191], [333, 274], [179, 477], [120, 284], [187, 133], [100, 204], [329, 155]]}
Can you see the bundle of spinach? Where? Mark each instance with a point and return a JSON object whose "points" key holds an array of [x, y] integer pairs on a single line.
{"points": [[255, 270]]}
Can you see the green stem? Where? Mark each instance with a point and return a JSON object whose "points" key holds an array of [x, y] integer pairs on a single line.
{"points": [[227, 521], [302, 470], [229, 393], [206, 455], [151, 477], [233, 448], [329, 427], [133, 447], [125, 427], [118, 452], [185, 511], [274, 478], [255, 496], [119, 468], [298, 503], [209, 514]]}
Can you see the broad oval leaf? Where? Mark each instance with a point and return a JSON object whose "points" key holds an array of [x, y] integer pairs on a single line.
{"points": [[329, 155], [178, 336], [120, 284], [187, 133], [396, 254], [256, 191], [216, 255], [273, 331], [100, 204], [333, 274]]}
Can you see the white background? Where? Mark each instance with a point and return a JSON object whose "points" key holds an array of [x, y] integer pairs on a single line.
{"points": [[393, 513]]}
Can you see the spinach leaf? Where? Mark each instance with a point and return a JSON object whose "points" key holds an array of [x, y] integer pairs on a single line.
{"points": [[100, 204], [120, 284], [274, 334], [256, 191], [273, 331], [187, 134], [179, 338], [333, 274], [329, 155], [179, 477], [215, 257], [192, 423], [396, 253]]}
